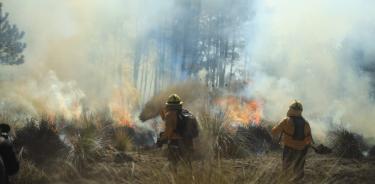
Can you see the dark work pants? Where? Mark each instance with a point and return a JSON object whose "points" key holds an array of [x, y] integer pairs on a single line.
{"points": [[179, 151], [294, 163]]}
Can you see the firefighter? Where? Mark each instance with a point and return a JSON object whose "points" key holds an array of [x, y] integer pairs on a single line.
{"points": [[295, 136], [9, 164], [180, 148]]}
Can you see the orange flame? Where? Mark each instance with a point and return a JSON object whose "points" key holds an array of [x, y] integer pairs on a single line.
{"points": [[119, 109], [241, 111]]}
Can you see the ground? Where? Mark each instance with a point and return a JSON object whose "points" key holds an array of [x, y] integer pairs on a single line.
{"points": [[151, 167]]}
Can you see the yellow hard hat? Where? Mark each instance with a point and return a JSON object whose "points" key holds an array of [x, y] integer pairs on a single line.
{"points": [[174, 99], [296, 105]]}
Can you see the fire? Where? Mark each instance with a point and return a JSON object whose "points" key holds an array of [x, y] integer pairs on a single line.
{"points": [[123, 117], [240, 110], [119, 107]]}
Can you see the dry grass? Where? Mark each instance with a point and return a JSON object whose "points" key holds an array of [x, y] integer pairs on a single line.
{"points": [[86, 147], [233, 142], [40, 142], [122, 141], [151, 167], [29, 173], [254, 139], [347, 144], [215, 139], [95, 148]]}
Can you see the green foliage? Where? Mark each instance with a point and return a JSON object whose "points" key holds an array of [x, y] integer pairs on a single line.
{"points": [[11, 46]]}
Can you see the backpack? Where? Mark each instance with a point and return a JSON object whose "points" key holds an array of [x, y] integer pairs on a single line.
{"points": [[299, 128], [187, 125]]}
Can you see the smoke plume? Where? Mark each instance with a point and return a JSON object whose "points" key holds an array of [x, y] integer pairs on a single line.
{"points": [[189, 91], [318, 52], [77, 51], [80, 55]]}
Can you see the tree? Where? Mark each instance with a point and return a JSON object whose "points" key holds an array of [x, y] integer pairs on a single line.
{"points": [[195, 37], [11, 46]]}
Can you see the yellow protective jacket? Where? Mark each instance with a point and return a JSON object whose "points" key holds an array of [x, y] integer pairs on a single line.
{"points": [[287, 128], [169, 115]]}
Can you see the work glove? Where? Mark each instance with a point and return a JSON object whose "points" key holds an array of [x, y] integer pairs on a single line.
{"points": [[159, 143]]}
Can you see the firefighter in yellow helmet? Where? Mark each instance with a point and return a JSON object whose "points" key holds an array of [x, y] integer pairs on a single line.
{"points": [[180, 148], [295, 135]]}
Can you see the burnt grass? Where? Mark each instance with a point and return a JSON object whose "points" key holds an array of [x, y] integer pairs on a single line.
{"points": [[248, 155]]}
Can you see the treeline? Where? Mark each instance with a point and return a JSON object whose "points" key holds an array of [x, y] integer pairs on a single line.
{"points": [[199, 39]]}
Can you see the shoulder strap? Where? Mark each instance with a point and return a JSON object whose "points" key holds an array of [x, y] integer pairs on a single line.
{"points": [[291, 135], [180, 122]]}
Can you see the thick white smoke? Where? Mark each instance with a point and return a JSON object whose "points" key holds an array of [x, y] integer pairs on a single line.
{"points": [[82, 50], [304, 50], [76, 51]]}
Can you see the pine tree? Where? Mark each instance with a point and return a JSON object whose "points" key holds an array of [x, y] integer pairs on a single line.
{"points": [[11, 46]]}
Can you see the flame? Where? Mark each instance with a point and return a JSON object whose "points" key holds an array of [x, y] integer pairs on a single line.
{"points": [[240, 110], [119, 106]]}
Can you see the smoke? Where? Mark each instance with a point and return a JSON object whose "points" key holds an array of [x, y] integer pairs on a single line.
{"points": [[315, 51], [190, 92], [76, 51]]}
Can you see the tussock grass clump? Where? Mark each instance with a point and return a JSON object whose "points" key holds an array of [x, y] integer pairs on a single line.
{"points": [[215, 138], [346, 144], [121, 139], [87, 146], [228, 141], [254, 139], [135, 137], [40, 141]]}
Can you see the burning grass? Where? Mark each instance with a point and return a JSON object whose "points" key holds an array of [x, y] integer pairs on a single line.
{"points": [[240, 111]]}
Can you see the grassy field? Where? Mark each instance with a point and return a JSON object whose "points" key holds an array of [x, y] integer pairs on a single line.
{"points": [[96, 150], [152, 167]]}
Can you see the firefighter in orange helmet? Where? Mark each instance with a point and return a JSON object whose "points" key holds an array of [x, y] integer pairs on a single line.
{"points": [[295, 134], [179, 147]]}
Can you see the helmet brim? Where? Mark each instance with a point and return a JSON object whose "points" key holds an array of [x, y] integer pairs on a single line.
{"points": [[180, 103]]}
